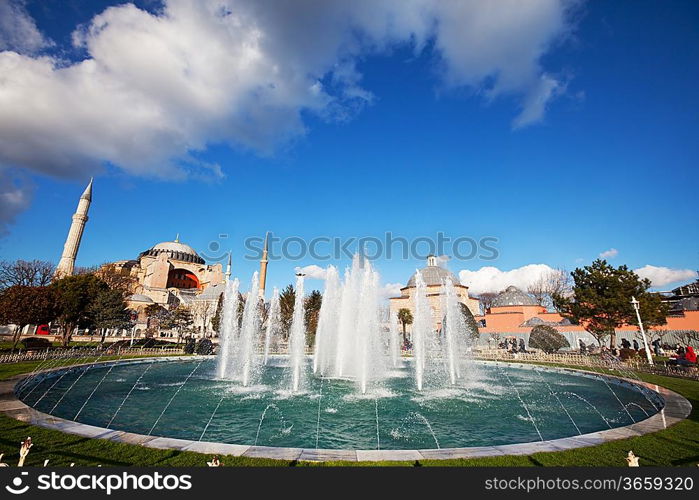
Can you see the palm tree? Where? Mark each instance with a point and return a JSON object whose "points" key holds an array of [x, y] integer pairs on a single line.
{"points": [[406, 318]]}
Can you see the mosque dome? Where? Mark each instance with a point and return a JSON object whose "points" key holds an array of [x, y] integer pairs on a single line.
{"points": [[513, 296], [434, 274], [175, 250]]}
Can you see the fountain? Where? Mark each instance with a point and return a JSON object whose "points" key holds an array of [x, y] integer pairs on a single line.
{"points": [[354, 388]]}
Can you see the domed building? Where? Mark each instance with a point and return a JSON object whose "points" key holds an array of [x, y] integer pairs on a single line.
{"points": [[169, 274], [434, 277]]}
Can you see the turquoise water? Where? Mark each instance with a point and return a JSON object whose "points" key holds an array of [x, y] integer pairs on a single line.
{"points": [[498, 404]]}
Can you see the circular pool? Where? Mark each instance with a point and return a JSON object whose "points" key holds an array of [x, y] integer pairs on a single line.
{"points": [[494, 404]]}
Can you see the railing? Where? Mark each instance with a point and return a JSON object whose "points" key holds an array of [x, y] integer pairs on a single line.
{"points": [[88, 353], [610, 362]]}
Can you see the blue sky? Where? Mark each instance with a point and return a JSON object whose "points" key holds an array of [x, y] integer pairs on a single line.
{"points": [[610, 164]]}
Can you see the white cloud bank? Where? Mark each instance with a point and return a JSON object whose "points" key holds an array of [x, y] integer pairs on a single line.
{"points": [[492, 279], [154, 89], [661, 276]]}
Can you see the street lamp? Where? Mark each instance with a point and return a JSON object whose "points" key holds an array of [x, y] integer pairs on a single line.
{"points": [[634, 303]]}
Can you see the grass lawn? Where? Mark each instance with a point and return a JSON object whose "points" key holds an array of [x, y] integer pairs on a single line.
{"points": [[676, 446]]}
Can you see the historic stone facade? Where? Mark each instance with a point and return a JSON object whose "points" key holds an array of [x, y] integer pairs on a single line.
{"points": [[434, 277]]}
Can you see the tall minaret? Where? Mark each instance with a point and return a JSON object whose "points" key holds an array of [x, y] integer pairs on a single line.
{"points": [[263, 267], [228, 268], [70, 249]]}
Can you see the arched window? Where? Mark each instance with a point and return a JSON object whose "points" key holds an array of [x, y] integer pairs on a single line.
{"points": [[181, 278]]}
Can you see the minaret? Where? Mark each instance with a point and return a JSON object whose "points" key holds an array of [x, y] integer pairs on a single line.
{"points": [[228, 268], [263, 267], [72, 245]]}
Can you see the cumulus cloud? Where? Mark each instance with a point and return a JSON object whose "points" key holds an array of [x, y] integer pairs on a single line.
{"points": [[156, 88], [609, 254], [492, 279], [18, 31], [389, 290], [313, 272], [661, 276]]}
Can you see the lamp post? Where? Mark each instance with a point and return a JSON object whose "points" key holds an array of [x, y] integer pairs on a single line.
{"points": [[634, 303]]}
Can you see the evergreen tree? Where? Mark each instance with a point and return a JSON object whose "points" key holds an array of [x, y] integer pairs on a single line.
{"points": [[601, 300]]}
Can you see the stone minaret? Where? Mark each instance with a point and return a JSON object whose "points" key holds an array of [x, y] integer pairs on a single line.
{"points": [[263, 268], [70, 249], [228, 268]]}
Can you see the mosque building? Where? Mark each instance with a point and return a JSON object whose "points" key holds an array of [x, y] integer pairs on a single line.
{"points": [[434, 277]]}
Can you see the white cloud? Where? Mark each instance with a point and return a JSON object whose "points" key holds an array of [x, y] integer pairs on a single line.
{"points": [[389, 290], [312, 272], [492, 279], [155, 89], [609, 254], [18, 30], [661, 276]]}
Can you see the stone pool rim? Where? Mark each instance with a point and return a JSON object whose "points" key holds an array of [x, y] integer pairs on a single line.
{"points": [[676, 408]]}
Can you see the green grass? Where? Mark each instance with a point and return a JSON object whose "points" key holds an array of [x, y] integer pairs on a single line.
{"points": [[675, 446]]}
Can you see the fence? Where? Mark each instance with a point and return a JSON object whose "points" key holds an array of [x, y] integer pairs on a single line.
{"points": [[87, 353], [609, 363]]}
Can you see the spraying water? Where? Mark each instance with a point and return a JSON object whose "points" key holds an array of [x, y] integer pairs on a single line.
{"points": [[297, 338], [273, 322], [229, 329], [422, 329]]}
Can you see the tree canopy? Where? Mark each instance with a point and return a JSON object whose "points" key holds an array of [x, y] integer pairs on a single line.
{"points": [[601, 300]]}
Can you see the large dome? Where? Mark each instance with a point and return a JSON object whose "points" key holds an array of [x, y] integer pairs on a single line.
{"points": [[434, 275], [513, 296], [176, 251]]}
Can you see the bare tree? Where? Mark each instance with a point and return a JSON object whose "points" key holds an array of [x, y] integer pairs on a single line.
{"points": [[25, 273], [555, 282], [118, 278], [486, 300], [202, 311]]}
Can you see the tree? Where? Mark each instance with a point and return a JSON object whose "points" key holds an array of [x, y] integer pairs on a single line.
{"points": [[216, 318], [75, 298], [180, 320], [470, 321], [311, 312], [27, 305], [405, 318], [601, 300], [25, 273], [547, 338], [202, 309], [550, 284], [486, 300], [107, 309], [117, 278], [287, 298]]}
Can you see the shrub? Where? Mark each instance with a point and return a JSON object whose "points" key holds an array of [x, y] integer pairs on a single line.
{"points": [[204, 347], [625, 354], [189, 346], [35, 343], [547, 339]]}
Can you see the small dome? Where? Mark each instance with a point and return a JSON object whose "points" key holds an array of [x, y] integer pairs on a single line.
{"points": [[174, 250], [434, 275], [513, 296], [137, 297]]}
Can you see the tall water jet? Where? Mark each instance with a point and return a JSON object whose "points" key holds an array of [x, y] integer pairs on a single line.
{"points": [[273, 323], [297, 338], [454, 329], [394, 339], [348, 315], [326, 333], [422, 329], [248, 359], [368, 348], [229, 328]]}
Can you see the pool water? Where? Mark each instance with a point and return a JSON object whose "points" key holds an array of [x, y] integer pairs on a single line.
{"points": [[496, 404]]}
